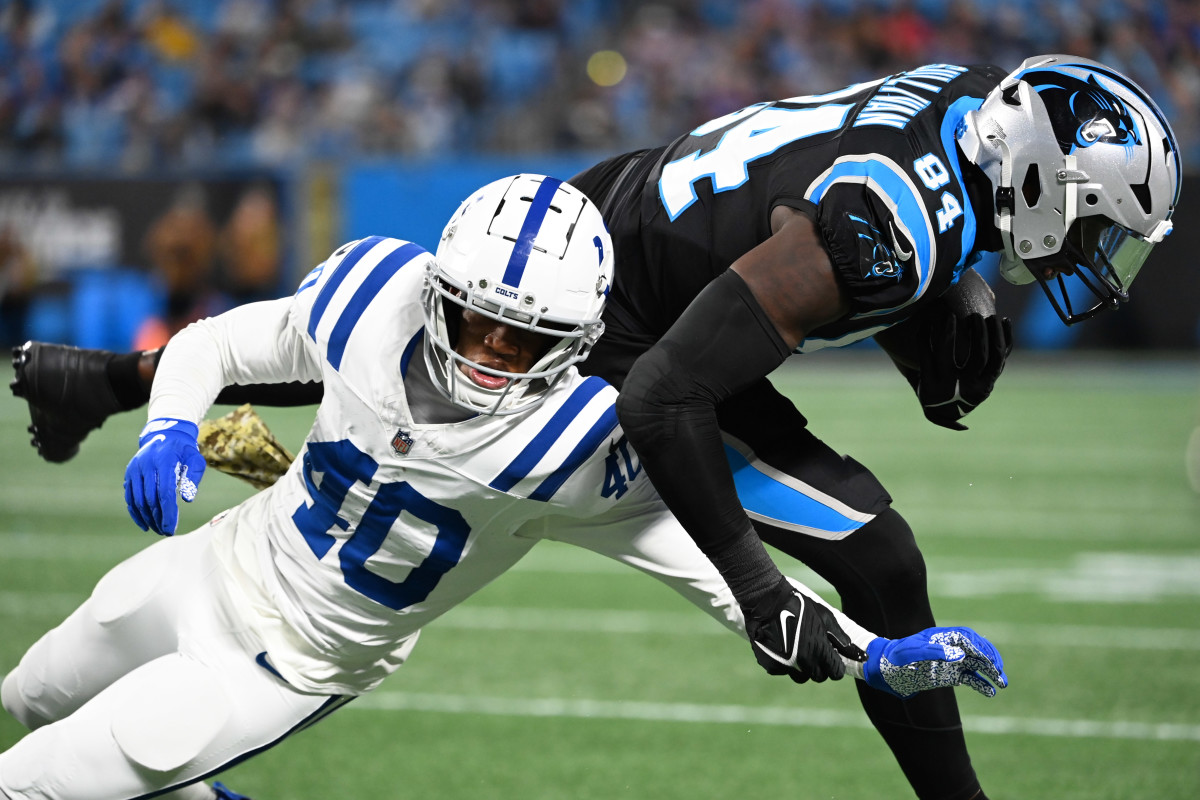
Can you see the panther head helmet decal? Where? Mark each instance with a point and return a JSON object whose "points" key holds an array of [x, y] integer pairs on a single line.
{"points": [[1084, 113]]}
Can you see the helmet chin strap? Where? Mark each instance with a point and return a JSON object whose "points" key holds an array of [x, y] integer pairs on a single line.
{"points": [[1070, 176], [1012, 268], [970, 141]]}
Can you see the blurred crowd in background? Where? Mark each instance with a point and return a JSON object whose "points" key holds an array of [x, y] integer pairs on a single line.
{"points": [[147, 147], [145, 83]]}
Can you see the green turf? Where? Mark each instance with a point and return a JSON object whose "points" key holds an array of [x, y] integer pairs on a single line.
{"points": [[1062, 525]]}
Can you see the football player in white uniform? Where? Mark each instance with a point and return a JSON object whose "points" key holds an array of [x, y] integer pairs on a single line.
{"points": [[454, 433]]}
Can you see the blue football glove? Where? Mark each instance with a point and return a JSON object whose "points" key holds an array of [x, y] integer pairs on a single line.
{"points": [[934, 658], [169, 462]]}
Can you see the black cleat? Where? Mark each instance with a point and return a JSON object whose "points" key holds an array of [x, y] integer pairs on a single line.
{"points": [[68, 392]]}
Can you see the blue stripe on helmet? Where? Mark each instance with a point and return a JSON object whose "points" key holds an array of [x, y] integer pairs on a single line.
{"points": [[529, 231]]}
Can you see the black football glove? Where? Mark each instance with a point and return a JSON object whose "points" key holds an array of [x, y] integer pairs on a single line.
{"points": [[960, 363], [794, 635]]}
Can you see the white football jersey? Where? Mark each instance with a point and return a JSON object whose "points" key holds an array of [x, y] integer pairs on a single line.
{"points": [[383, 523]]}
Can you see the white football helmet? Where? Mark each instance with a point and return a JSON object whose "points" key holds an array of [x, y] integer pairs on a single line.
{"points": [[1086, 174], [529, 251]]}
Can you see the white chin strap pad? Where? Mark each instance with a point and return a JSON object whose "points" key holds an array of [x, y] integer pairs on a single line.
{"points": [[1014, 271]]}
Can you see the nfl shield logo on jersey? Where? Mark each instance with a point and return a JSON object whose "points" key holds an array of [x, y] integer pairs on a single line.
{"points": [[401, 442]]}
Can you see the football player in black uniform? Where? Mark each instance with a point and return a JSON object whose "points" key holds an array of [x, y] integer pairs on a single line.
{"points": [[814, 222]]}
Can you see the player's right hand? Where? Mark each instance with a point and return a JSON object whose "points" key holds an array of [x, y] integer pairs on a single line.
{"points": [[792, 634], [167, 464]]}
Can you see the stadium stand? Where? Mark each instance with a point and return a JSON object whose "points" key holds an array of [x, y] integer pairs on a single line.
{"points": [[143, 83]]}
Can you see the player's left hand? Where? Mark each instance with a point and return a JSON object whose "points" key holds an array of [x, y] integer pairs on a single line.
{"points": [[168, 463], [934, 658], [960, 364]]}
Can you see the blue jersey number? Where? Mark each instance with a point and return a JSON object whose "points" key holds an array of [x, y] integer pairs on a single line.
{"points": [[342, 465], [619, 469]]}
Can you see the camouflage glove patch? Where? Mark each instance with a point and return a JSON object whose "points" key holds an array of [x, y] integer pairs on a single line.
{"points": [[241, 445]]}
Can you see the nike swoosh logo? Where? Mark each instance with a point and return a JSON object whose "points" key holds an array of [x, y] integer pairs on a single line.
{"points": [[159, 438], [900, 252], [790, 659], [261, 660], [158, 425]]}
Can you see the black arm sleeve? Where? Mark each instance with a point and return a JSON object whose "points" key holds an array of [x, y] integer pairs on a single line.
{"points": [[295, 393], [721, 344]]}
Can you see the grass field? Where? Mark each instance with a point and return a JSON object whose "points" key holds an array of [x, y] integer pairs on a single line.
{"points": [[1062, 526]]}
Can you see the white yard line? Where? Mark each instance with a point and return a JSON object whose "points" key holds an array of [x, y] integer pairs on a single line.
{"points": [[386, 700], [687, 623], [754, 715], [682, 622]]}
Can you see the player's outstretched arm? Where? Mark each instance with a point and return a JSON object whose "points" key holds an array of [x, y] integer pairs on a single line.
{"points": [[932, 659], [739, 328], [800, 634], [253, 343]]}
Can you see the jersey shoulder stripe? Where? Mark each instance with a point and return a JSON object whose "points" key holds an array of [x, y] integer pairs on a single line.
{"points": [[346, 289], [335, 280], [552, 433], [898, 192], [380, 275], [591, 441]]}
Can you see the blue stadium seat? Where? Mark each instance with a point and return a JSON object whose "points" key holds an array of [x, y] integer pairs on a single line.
{"points": [[520, 63], [108, 305], [101, 307]]}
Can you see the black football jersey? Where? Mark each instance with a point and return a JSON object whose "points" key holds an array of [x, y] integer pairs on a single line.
{"points": [[875, 165]]}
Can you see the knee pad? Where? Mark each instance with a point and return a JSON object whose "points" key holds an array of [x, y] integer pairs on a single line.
{"points": [[892, 558], [21, 692], [169, 714], [13, 698]]}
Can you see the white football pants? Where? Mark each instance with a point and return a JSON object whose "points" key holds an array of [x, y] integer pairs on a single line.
{"points": [[150, 685]]}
